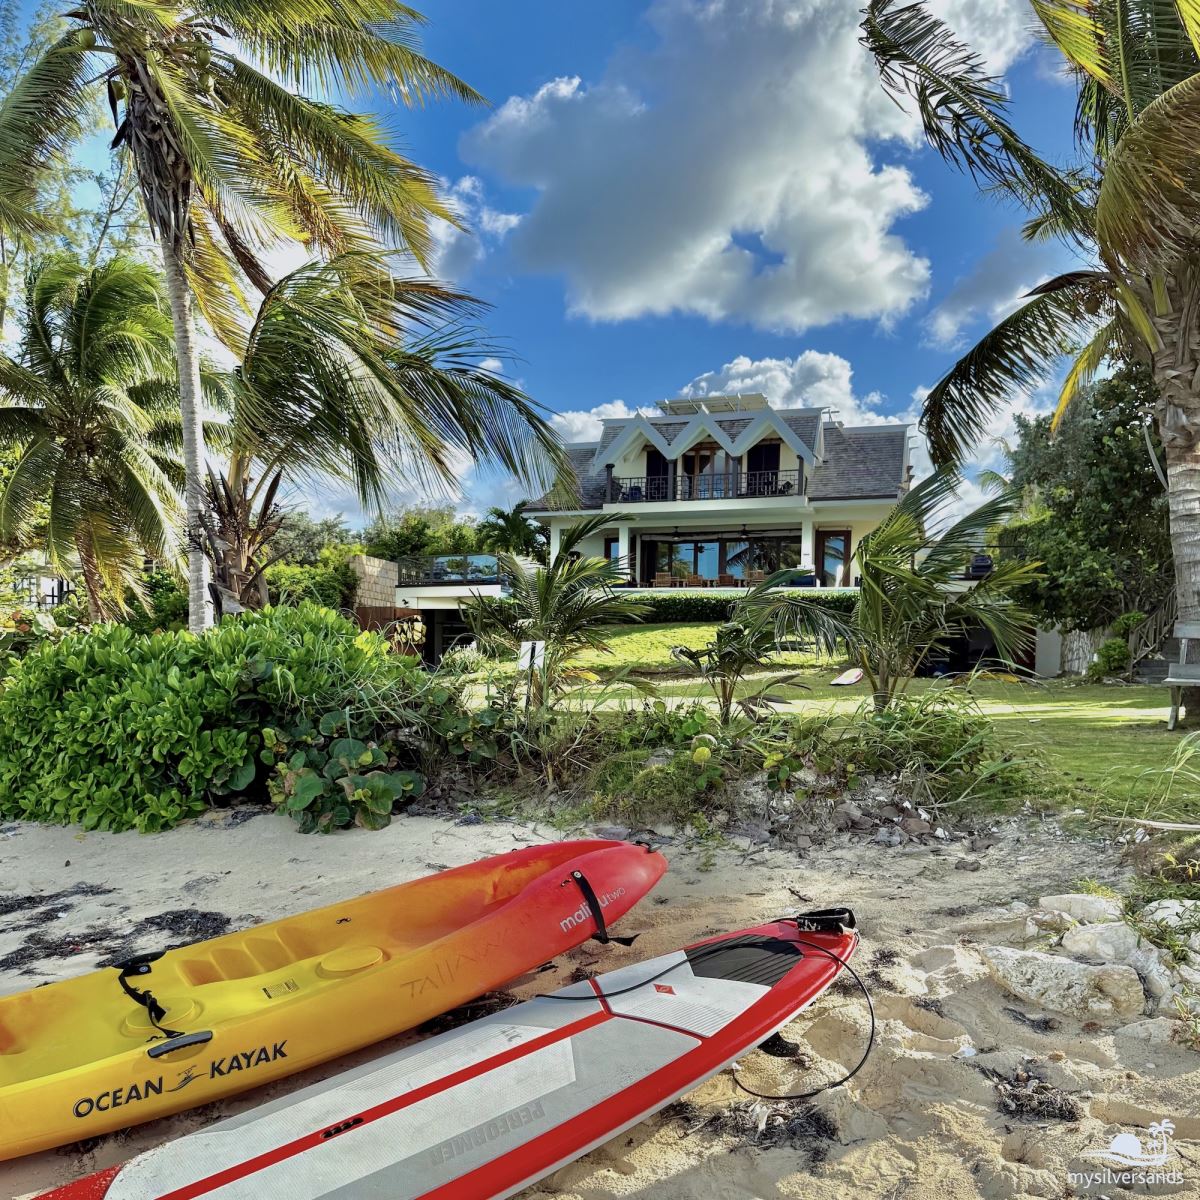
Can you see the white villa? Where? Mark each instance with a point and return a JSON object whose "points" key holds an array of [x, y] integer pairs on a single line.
{"points": [[718, 491], [708, 493]]}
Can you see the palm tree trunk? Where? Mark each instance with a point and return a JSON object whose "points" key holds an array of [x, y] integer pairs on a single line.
{"points": [[188, 359], [93, 581]]}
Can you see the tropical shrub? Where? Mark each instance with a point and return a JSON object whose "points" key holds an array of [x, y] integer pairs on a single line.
{"points": [[326, 781], [117, 730], [163, 604], [331, 582], [1112, 657]]}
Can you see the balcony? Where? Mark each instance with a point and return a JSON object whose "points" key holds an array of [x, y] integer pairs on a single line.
{"points": [[743, 485], [448, 569]]}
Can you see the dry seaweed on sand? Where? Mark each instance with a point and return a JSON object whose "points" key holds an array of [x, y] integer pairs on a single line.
{"points": [[761, 1125], [1037, 1024], [473, 1010], [1027, 1098]]}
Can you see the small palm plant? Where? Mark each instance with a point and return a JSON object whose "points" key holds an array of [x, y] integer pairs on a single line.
{"points": [[565, 605], [509, 530], [89, 397], [914, 599], [723, 664]]}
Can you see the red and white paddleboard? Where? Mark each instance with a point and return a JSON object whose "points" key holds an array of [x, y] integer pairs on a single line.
{"points": [[484, 1110]]}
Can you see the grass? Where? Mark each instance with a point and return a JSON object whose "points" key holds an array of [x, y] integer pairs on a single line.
{"points": [[1106, 744]]}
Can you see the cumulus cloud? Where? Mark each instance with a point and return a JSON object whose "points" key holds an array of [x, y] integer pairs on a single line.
{"points": [[457, 250], [999, 30], [724, 172], [995, 286], [584, 425]]}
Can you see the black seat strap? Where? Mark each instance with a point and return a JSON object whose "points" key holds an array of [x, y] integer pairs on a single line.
{"points": [[825, 920], [141, 966], [594, 907]]}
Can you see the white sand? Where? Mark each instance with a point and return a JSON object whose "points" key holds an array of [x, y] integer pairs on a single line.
{"points": [[921, 1121]]}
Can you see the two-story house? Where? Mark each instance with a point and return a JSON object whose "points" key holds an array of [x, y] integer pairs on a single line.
{"points": [[721, 490]]}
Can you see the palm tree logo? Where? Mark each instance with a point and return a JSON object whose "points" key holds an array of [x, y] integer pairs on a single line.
{"points": [[1127, 1149]]}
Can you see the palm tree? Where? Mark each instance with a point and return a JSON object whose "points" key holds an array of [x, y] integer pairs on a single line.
{"points": [[231, 156], [565, 605], [90, 399], [1130, 207], [355, 374], [913, 600], [510, 531]]}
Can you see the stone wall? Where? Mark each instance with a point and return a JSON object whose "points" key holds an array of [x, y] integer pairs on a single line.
{"points": [[376, 581]]}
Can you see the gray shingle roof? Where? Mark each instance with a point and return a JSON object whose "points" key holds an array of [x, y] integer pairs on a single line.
{"points": [[860, 463], [804, 423]]}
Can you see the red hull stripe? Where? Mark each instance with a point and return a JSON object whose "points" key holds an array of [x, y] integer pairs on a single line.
{"points": [[310, 1140], [527, 1163]]}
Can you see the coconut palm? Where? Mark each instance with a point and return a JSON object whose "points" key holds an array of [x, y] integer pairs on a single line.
{"points": [[232, 157], [89, 397], [355, 374], [1130, 207], [509, 530], [565, 605]]}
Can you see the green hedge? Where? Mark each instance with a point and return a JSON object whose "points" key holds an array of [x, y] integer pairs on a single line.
{"points": [[113, 729], [329, 583], [666, 606]]}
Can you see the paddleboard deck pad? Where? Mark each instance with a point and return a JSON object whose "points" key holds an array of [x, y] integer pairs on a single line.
{"points": [[484, 1110]]}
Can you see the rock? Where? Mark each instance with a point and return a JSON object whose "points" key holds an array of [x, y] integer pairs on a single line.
{"points": [[1112, 941], [1158, 1031], [846, 815], [968, 864], [888, 835], [1189, 974], [613, 833], [1084, 907], [1171, 912], [1042, 921], [1108, 993], [802, 842], [914, 826]]}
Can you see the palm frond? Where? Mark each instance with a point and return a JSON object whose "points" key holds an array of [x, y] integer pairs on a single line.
{"points": [[1015, 355], [1086, 364], [964, 109], [1149, 205]]}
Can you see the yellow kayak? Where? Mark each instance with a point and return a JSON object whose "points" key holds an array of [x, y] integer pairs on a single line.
{"points": [[159, 1034]]}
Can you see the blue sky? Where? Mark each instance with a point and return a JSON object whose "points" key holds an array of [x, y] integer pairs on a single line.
{"points": [[712, 194]]}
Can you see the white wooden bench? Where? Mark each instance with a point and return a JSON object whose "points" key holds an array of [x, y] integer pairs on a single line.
{"points": [[1182, 674]]}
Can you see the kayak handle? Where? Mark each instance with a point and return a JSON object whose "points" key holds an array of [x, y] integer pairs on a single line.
{"points": [[199, 1038]]}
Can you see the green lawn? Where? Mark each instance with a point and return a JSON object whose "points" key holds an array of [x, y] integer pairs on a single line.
{"points": [[1111, 740]]}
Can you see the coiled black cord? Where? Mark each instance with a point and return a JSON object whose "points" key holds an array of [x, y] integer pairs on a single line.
{"points": [[719, 948], [825, 1087]]}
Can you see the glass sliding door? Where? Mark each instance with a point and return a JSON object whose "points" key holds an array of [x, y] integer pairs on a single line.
{"points": [[833, 557]]}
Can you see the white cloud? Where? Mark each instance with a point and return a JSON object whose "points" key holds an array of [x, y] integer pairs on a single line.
{"points": [[725, 172], [995, 286], [999, 30], [457, 250], [584, 425]]}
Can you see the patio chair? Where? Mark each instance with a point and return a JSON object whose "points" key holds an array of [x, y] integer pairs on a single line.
{"points": [[663, 579], [727, 581], [695, 581], [1182, 674], [753, 577]]}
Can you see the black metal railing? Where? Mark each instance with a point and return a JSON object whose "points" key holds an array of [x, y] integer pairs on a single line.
{"points": [[448, 568], [730, 485]]}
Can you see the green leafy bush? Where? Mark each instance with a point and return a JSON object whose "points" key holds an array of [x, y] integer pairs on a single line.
{"points": [[331, 582], [1126, 623], [166, 605], [666, 606], [327, 782], [1112, 657], [118, 730]]}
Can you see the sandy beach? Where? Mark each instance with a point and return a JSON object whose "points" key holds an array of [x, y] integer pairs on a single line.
{"points": [[970, 1092]]}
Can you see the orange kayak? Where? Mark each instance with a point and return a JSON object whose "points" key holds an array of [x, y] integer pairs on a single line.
{"points": [[160, 1034]]}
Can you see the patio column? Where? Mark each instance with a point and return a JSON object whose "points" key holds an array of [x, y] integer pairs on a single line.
{"points": [[626, 562], [807, 550], [555, 540]]}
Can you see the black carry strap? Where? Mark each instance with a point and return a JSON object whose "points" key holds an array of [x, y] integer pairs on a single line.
{"points": [[593, 904], [140, 965], [824, 920]]}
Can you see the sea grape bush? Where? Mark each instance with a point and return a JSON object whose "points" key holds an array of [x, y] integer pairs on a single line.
{"points": [[327, 782], [116, 730]]}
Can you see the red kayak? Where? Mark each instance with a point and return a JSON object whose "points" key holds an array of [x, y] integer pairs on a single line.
{"points": [[482, 1111]]}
